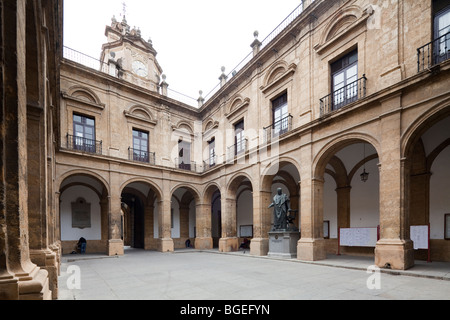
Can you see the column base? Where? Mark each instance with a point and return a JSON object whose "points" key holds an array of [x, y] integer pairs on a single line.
{"points": [[203, 243], [228, 244], [115, 248], [47, 260], [166, 245], [394, 254], [259, 247], [311, 250], [9, 287], [34, 286]]}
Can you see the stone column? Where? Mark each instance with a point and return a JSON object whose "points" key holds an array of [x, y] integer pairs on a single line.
{"points": [[19, 277], [203, 238], [311, 246], [165, 241], [229, 241], [148, 222], [343, 206], [115, 242], [262, 217], [38, 216], [184, 221], [395, 249]]}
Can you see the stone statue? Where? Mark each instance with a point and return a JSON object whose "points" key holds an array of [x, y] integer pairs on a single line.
{"points": [[281, 205]]}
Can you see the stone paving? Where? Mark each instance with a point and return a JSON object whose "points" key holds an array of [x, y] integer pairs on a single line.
{"points": [[210, 275]]}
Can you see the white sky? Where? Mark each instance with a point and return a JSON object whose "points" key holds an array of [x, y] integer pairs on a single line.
{"points": [[193, 38]]}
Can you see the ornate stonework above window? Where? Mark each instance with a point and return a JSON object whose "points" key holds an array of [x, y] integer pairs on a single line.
{"points": [[342, 23], [140, 114], [279, 72], [83, 96], [237, 104]]}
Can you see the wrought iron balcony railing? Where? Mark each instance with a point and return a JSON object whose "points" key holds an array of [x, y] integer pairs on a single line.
{"points": [[188, 166], [343, 96], [141, 156], [237, 149], [433, 52], [83, 144], [210, 163], [278, 128]]}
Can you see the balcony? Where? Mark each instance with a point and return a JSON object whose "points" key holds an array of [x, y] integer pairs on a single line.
{"points": [[84, 145], [433, 53], [343, 96], [180, 164], [237, 149], [141, 156], [278, 128], [210, 163]]}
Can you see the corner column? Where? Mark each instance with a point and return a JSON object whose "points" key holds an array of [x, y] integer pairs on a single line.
{"points": [[394, 249]]}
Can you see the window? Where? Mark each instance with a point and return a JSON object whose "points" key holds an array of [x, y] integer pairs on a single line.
{"points": [[212, 152], [344, 76], [84, 133], [184, 155], [140, 146], [239, 137], [280, 115], [441, 31]]}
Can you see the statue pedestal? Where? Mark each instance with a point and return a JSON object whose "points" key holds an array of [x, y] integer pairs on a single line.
{"points": [[283, 244]]}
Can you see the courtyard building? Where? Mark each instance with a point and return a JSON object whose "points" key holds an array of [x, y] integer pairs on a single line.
{"points": [[346, 108]]}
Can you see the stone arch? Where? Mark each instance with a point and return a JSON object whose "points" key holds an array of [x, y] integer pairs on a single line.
{"points": [[235, 181], [323, 157], [418, 127], [95, 190], [272, 169], [79, 172], [154, 187], [209, 191]]}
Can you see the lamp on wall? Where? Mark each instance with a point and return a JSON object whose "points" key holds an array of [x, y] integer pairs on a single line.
{"points": [[364, 175]]}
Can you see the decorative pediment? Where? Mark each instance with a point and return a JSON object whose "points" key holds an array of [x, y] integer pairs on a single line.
{"points": [[343, 22], [141, 114], [236, 104], [280, 71], [84, 96]]}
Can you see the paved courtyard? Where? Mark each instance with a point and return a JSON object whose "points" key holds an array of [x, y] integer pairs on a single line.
{"points": [[195, 275]]}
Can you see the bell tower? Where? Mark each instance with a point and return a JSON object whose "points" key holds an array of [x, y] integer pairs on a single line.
{"points": [[130, 57]]}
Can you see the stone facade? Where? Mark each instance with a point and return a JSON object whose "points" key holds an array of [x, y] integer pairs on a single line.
{"points": [[346, 88], [31, 34]]}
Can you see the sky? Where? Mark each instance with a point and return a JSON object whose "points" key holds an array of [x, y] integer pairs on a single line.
{"points": [[193, 38]]}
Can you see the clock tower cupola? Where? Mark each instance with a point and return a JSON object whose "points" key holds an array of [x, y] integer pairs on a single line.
{"points": [[130, 57]]}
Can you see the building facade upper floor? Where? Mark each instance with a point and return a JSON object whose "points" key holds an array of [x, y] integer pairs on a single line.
{"points": [[332, 58]]}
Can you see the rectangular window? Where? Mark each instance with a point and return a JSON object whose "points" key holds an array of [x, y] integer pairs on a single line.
{"points": [[441, 32], [84, 133], [280, 115], [184, 155], [344, 77], [239, 137], [212, 153], [140, 146]]}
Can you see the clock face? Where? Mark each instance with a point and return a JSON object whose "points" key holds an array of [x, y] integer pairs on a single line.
{"points": [[140, 69]]}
